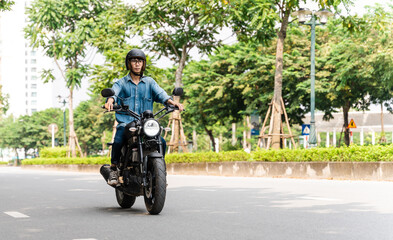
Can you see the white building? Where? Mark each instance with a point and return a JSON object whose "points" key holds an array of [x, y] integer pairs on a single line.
{"points": [[21, 67]]}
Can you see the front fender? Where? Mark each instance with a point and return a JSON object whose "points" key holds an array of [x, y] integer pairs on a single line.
{"points": [[154, 155]]}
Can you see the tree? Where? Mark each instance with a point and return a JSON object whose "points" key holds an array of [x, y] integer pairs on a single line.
{"points": [[93, 126], [30, 132], [263, 17], [358, 71], [10, 133], [56, 27], [172, 28], [5, 5], [239, 79], [3, 101]]}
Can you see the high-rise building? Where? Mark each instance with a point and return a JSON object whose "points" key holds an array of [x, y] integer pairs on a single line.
{"points": [[21, 68]]}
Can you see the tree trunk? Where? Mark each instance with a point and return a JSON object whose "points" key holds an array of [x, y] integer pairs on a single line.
{"points": [[210, 134], [103, 140], [248, 135], [73, 138], [194, 141], [234, 139], [278, 81], [17, 158], [346, 108], [178, 83], [383, 138]]}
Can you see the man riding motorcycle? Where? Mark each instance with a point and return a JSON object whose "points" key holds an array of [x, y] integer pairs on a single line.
{"points": [[138, 92]]}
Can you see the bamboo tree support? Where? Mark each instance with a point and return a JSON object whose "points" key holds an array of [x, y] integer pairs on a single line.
{"points": [[174, 144], [269, 136]]}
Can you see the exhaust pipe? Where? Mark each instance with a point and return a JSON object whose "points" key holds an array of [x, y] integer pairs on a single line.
{"points": [[105, 170]]}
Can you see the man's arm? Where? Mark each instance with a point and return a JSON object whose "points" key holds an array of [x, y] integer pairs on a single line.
{"points": [[117, 88]]}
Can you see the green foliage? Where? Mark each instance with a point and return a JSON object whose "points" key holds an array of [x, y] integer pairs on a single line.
{"points": [[353, 153], [57, 152], [62, 161], [93, 127], [5, 5], [3, 101], [173, 27], [3, 163], [207, 157], [57, 27], [31, 131]]}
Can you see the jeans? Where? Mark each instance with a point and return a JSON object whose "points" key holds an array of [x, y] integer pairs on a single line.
{"points": [[120, 140]]}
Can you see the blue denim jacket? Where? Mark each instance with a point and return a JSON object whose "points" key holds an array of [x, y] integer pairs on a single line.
{"points": [[139, 98]]}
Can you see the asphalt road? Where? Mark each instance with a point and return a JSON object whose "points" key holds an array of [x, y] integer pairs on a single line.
{"points": [[60, 205]]}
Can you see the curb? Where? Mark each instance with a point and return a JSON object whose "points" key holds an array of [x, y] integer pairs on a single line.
{"points": [[382, 171]]}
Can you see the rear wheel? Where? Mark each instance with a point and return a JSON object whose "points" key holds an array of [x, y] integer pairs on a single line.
{"points": [[155, 191], [124, 200]]}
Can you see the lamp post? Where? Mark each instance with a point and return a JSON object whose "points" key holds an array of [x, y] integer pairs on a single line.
{"points": [[64, 102], [323, 16]]}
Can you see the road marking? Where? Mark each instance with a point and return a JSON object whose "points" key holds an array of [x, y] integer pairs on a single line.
{"points": [[320, 199], [84, 239], [16, 214], [206, 190], [81, 190]]}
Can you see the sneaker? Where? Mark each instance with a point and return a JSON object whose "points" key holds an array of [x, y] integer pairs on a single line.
{"points": [[113, 178]]}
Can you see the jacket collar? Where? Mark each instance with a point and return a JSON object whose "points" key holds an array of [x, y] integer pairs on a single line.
{"points": [[128, 78]]}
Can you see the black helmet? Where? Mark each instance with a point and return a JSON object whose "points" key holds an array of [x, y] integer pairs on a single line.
{"points": [[135, 53]]}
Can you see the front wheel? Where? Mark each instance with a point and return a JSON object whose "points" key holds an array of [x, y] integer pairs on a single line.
{"points": [[124, 200], [155, 191]]}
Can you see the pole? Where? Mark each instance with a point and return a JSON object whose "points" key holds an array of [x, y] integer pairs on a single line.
{"points": [[313, 139], [64, 127], [53, 136]]}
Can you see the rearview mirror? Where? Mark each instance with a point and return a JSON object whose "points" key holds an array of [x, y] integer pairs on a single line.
{"points": [[177, 91], [107, 92]]}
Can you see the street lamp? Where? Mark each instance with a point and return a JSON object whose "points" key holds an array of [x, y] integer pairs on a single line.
{"points": [[323, 15], [64, 102]]}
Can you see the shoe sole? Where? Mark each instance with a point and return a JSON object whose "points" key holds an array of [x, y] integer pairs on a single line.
{"points": [[112, 183]]}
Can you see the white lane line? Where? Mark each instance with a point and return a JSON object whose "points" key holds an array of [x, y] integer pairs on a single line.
{"points": [[84, 239], [81, 190], [320, 199], [16, 214], [206, 190]]}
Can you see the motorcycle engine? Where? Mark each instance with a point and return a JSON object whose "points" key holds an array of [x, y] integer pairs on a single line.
{"points": [[132, 182]]}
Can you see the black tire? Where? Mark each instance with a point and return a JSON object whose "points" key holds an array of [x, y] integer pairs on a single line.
{"points": [[124, 200], [155, 192]]}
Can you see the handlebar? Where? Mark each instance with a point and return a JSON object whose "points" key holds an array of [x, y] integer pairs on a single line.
{"points": [[169, 108]]}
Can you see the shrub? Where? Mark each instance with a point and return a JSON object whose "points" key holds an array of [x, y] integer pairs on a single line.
{"points": [[3, 163], [64, 160], [56, 152], [352, 153]]}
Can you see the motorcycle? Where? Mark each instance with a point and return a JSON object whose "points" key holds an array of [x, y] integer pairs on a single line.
{"points": [[142, 168]]}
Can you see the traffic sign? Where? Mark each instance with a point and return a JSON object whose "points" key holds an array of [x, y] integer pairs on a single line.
{"points": [[53, 127], [352, 124], [306, 129]]}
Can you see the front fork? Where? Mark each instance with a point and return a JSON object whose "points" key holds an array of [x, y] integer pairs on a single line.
{"points": [[143, 164]]}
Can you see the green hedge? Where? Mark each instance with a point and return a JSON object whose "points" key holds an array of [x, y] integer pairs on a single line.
{"points": [[344, 154], [207, 157], [64, 160], [3, 163], [56, 152]]}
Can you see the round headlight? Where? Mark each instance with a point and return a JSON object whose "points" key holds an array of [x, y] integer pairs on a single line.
{"points": [[151, 128]]}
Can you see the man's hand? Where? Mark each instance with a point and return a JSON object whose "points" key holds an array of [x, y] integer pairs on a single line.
{"points": [[109, 104], [179, 105]]}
